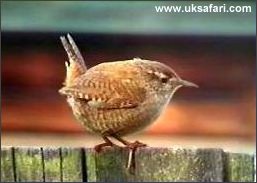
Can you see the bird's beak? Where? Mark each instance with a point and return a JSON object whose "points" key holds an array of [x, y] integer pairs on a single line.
{"points": [[187, 83]]}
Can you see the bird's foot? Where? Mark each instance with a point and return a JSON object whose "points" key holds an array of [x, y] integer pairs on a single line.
{"points": [[134, 145], [98, 148], [131, 166]]}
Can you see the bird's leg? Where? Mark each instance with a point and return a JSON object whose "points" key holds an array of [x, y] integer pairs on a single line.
{"points": [[107, 142], [131, 165], [130, 145]]}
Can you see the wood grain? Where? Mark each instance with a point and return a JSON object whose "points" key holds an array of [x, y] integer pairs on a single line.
{"points": [[71, 165], [239, 167], [29, 164], [52, 164], [179, 165], [110, 165], [7, 162]]}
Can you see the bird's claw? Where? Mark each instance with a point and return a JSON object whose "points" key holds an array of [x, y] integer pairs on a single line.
{"points": [[135, 145], [98, 148]]}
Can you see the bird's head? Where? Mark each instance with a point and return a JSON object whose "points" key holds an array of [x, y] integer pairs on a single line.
{"points": [[163, 79]]}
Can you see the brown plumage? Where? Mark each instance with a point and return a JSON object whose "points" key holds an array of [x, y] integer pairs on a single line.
{"points": [[114, 99]]}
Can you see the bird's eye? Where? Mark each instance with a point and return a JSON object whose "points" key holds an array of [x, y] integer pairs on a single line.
{"points": [[164, 80]]}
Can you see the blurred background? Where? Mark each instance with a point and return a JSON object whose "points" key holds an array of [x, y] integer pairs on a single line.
{"points": [[215, 50]]}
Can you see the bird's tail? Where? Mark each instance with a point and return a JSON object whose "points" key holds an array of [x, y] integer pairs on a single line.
{"points": [[76, 64]]}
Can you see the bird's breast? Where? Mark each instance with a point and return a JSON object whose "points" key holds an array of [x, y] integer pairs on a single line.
{"points": [[118, 121]]}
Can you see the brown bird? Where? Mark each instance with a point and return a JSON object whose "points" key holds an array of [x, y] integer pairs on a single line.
{"points": [[114, 99]]}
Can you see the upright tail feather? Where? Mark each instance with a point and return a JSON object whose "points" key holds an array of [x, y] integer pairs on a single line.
{"points": [[76, 65]]}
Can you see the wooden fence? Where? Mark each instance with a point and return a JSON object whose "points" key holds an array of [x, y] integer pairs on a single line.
{"points": [[151, 164]]}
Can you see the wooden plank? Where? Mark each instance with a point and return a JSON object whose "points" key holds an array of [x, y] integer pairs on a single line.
{"points": [[71, 165], [7, 168], [107, 165], [211, 166], [29, 164], [52, 164], [254, 162], [151, 164], [239, 167], [164, 164]]}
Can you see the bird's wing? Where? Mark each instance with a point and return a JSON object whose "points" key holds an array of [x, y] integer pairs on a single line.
{"points": [[105, 92]]}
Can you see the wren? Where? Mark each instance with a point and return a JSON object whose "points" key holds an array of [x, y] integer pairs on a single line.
{"points": [[113, 99]]}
